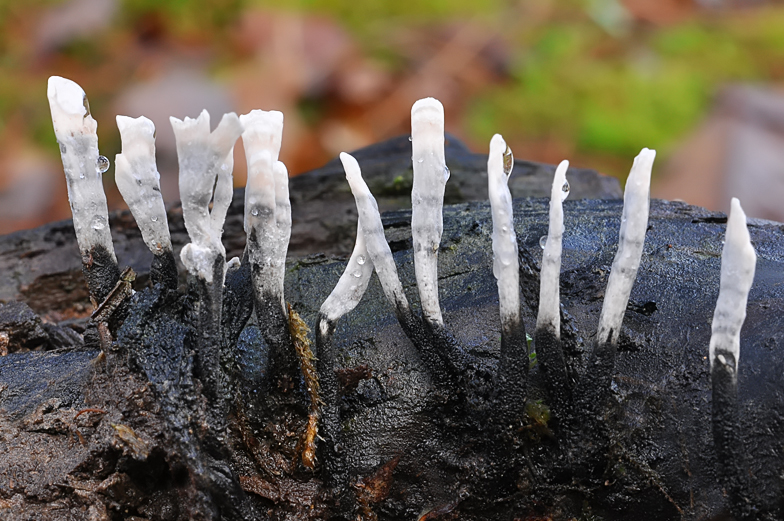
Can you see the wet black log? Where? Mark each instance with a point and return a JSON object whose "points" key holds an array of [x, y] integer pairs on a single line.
{"points": [[119, 435]]}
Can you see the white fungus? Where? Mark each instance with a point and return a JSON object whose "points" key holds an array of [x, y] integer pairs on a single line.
{"points": [[267, 205], [505, 264], [263, 133], [282, 221], [427, 198], [352, 284], [206, 161], [75, 130], [549, 296], [738, 263], [634, 223], [373, 232], [138, 180]]}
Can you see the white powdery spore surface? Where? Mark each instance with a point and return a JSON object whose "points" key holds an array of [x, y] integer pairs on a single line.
{"points": [[427, 199], [261, 137], [206, 161], [549, 292], [738, 264], [75, 130], [138, 180], [352, 284], [634, 223], [505, 265], [373, 231]]}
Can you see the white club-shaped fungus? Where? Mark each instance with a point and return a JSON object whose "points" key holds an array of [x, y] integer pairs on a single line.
{"points": [[738, 263], [206, 161], [138, 180], [634, 223], [427, 199], [75, 130], [505, 264], [373, 231], [549, 295]]}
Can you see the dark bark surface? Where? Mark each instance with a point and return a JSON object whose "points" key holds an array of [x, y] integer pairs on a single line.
{"points": [[128, 433]]}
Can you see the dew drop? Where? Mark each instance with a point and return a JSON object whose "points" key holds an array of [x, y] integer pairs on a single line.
{"points": [[81, 176], [361, 260], [102, 164], [543, 241], [62, 149], [508, 161], [421, 160], [410, 138], [447, 173], [86, 106], [98, 224], [254, 212], [565, 190], [357, 274], [154, 218]]}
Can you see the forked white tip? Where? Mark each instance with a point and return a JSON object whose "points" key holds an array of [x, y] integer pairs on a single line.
{"points": [[373, 230]]}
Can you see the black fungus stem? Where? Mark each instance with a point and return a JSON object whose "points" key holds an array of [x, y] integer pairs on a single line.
{"points": [[593, 389], [212, 358], [101, 272], [331, 449], [163, 269], [727, 437], [442, 354], [551, 360], [511, 385]]}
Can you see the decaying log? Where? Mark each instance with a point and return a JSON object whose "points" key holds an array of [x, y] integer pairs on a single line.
{"points": [[114, 435]]}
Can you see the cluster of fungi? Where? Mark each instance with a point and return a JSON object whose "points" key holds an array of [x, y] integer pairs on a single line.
{"points": [[301, 384]]}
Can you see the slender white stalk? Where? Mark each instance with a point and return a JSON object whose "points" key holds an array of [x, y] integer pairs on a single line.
{"points": [[373, 232], [634, 223], [352, 284], [549, 293], [738, 263], [138, 180], [205, 162], [282, 221], [505, 264], [427, 199], [75, 130]]}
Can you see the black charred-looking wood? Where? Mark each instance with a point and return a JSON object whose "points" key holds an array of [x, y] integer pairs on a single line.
{"points": [[511, 381], [330, 451], [163, 269], [551, 359], [730, 452], [100, 271], [157, 344]]}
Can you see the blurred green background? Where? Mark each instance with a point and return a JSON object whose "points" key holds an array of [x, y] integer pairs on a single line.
{"points": [[592, 81]]}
